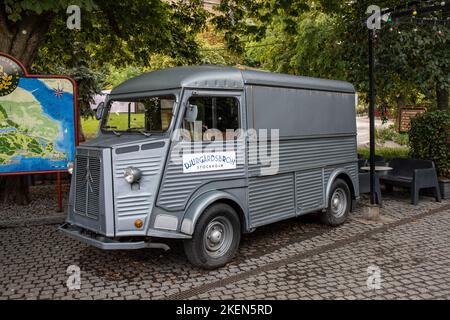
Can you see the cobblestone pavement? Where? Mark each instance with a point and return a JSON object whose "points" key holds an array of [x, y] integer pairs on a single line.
{"points": [[294, 259], [42, 207]]}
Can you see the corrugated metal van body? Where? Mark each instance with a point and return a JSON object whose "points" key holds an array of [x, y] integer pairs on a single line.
{"points": [[315, 119], [178, 187], [317, 136]]}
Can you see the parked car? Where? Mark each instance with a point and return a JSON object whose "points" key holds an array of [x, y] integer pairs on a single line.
{"points": [[132, 186]]}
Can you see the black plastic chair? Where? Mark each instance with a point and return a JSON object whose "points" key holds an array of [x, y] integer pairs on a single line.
{"points": [[413, 174], [379, 161]]}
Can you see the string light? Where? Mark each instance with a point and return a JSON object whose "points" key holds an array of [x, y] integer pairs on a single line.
{"points": [[423, 21], [395, 15]]}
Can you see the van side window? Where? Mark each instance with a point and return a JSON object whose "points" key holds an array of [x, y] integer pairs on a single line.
{"points": [[221, 113]]}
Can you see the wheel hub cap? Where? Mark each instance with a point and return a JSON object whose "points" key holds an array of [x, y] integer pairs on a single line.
{"points": [[218, 237], [215, 236], [336, 202], [339, 202]]}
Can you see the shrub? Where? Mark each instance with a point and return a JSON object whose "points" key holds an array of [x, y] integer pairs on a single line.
{"points": [[429, 138], [391, 134], [361, 110]]}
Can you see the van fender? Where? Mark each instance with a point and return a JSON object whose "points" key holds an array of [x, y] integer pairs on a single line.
{"points": [[196, 208], [333, 177]]}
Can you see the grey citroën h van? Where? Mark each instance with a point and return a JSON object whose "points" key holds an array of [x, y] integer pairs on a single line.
{"points": [[204, 154]]}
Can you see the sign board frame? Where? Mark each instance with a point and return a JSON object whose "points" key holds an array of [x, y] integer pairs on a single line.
{"points": [[401, 115]]}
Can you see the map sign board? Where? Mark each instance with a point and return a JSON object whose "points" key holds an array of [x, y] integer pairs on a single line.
{"points": [[38, 120]]}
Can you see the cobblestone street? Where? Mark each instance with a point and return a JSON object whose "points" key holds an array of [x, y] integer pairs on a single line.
{"points": [[294, 259]]}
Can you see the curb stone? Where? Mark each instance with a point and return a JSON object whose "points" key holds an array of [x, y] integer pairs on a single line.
{"points": [[46, 220]]}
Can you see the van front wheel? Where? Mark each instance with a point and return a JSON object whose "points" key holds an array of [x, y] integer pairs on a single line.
{"points": [[216, 237], [339, 203]]}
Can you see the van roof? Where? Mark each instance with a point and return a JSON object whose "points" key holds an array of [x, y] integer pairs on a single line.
{"points": [[219, 77]]}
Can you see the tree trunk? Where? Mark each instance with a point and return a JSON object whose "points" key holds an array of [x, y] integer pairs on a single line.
{"points": [[401, 101], [14, 189], [442, 96], [22, 40], [81, 136]]}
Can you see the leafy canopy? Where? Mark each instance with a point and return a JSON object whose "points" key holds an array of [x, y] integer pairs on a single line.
{"points": [[113, 33], [328, 38]]}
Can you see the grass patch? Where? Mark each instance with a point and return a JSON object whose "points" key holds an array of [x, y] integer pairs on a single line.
{"points": [[387, 153], [120, 121], [90, 126]]}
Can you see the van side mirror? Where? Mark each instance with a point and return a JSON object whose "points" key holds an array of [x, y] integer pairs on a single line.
{"points": [[191, 113], [99, 110]]}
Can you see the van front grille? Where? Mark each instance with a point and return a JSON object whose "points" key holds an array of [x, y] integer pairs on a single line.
{"points": [[87, 184]]}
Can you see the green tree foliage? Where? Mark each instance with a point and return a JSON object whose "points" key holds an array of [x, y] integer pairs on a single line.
{"points": [[410, 58], [117, 33], [329, 39], [290, 54], [111, 31], [211, 50]]}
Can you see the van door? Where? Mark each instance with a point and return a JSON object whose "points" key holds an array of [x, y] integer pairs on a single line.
{"points": [[212, 148]]}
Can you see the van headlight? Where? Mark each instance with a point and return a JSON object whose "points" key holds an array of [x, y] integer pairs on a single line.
{"points": [[70, 166], [132, 175]]}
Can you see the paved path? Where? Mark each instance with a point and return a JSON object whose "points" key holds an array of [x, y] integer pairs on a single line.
{"points": [[411, 261], [295, 259], [362, 125]]}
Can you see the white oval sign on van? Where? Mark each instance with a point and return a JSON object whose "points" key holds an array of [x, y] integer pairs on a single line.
{"points": [[199, 162]]}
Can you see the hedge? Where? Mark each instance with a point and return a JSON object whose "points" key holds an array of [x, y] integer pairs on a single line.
{"points": [[429, 138]]}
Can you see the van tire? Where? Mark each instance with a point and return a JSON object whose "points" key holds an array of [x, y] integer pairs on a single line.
{"points": [[216, 237], [339, 204]]}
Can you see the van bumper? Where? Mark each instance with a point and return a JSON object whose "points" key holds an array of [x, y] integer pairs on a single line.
{"points": [[106, 243]]}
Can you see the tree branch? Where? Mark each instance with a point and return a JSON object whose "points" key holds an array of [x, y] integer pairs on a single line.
{"points": [[36, 38]]}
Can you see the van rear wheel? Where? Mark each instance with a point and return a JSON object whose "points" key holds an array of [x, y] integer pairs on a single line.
{"points": [[339, 203], [216, 237]]}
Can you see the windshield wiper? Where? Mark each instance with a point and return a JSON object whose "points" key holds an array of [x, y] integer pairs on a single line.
{"points": [[147, 134], [113, 131], [134, 129], [140, 130]]}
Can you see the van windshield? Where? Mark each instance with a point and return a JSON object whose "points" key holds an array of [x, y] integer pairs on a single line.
{"points": [[151, 114]]}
